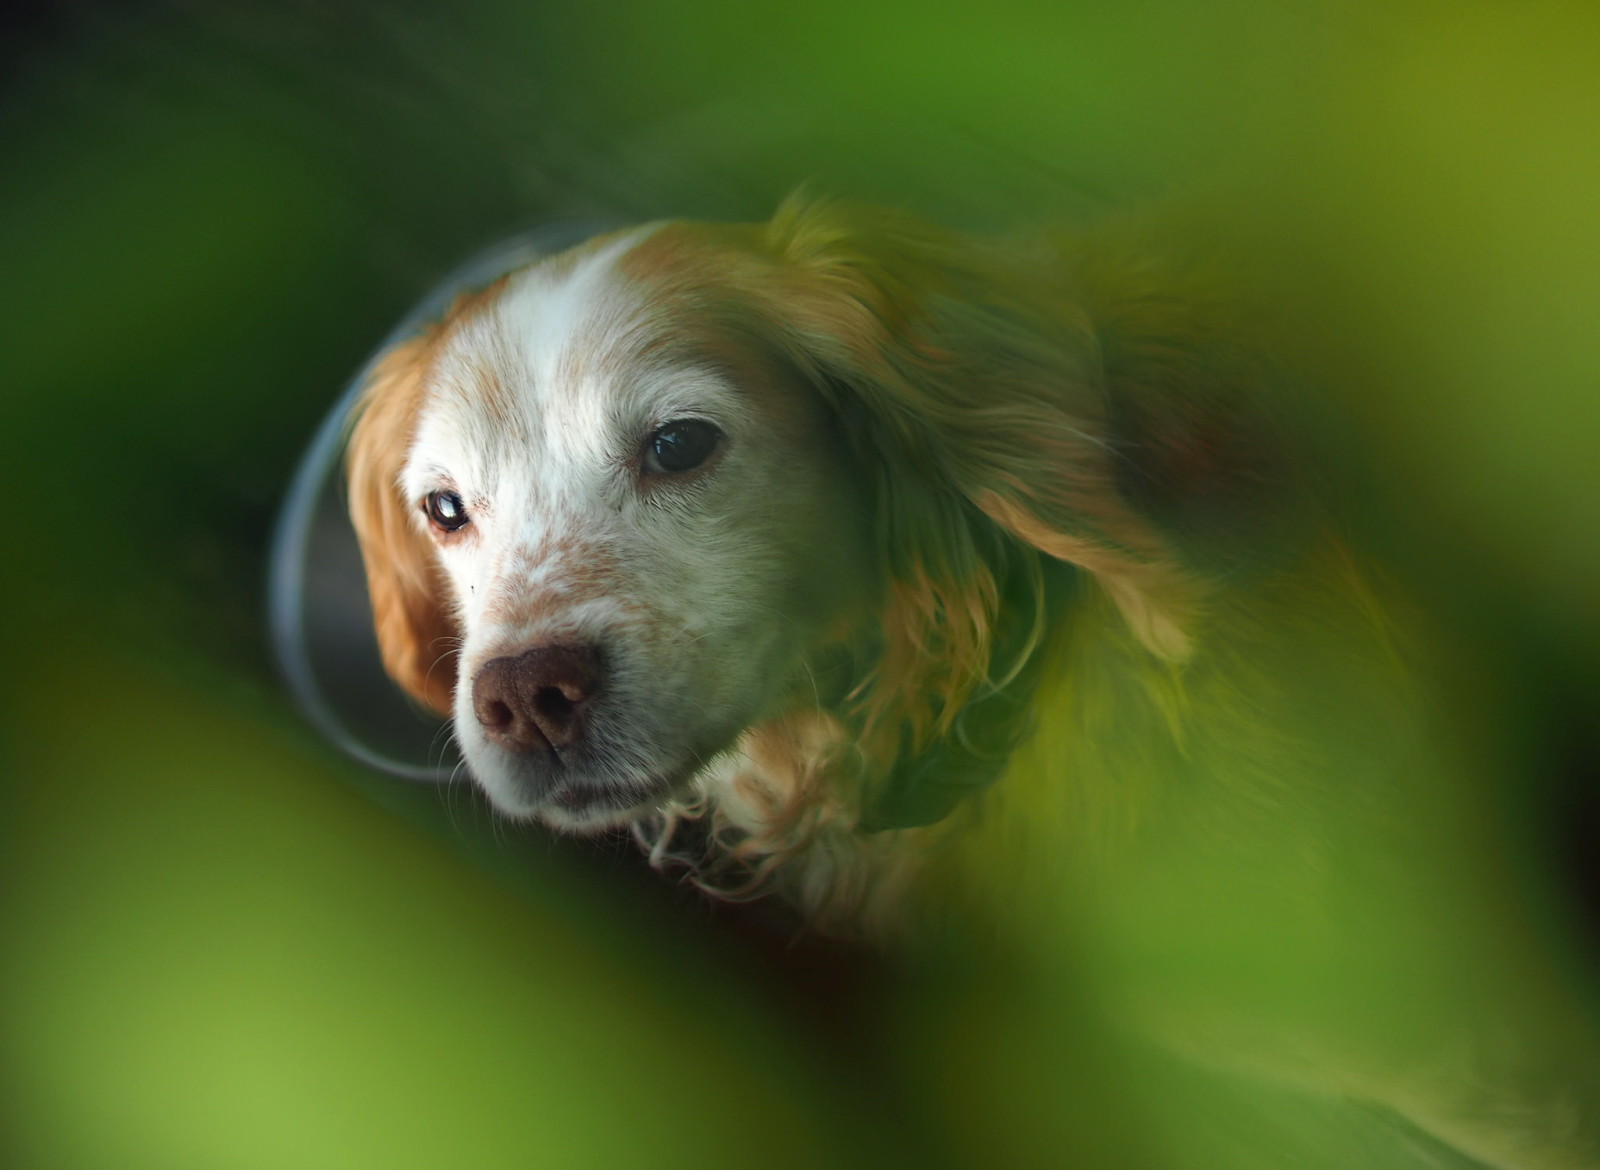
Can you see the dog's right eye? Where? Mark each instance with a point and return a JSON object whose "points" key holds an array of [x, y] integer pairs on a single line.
{"points": [[445, 511], [680, 446]]}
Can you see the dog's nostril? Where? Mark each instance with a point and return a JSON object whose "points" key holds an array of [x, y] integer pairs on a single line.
{"points": [[537, 700], [556, 702]]}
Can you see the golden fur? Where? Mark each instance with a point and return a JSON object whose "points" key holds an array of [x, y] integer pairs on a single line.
{"points": [[1102, 665]]}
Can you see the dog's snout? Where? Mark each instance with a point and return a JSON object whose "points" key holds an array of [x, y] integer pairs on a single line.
{"points": [[537, 700]]}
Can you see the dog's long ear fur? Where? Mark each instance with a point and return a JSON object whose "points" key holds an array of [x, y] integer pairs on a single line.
{"points": [[416, 633], [1074, 398]]}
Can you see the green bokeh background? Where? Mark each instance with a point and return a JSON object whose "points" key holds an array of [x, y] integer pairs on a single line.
{"points": [[222, 946]]}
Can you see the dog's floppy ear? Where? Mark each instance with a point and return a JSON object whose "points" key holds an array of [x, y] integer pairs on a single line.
{"points": [[985, 369], [416, 634]]}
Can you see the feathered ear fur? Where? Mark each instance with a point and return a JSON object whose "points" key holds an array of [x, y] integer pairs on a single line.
{"points": [[1071, 400], [983, 367], [416, 633]]}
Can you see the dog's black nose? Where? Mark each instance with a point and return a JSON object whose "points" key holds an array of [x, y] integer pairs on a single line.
{"points": [[537, 700]]}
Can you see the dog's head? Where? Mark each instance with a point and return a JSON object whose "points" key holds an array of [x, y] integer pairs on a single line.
{"points": [[626, 505]]}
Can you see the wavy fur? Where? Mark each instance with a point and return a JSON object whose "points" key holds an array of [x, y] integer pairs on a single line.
{"points": [[999, 596]]}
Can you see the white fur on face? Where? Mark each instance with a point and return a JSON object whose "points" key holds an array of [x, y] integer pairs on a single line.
{"points": [[701, 592]]}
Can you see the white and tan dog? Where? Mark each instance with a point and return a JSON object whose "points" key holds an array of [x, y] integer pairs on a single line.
{"points": [[932, 575]]}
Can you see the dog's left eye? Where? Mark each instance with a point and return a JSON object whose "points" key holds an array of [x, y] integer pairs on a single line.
{"points": [[445, 510], [680, 446]]}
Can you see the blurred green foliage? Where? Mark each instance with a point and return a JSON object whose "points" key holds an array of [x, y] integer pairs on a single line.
{"points": [[219, 950]]}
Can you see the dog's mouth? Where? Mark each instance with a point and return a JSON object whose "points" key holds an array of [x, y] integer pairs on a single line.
{"points": [[579, 806], [582, 794], [582, 811]]}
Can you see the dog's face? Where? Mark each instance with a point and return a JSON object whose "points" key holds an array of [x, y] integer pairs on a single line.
{"points": [[644, 528], [628, 504]]}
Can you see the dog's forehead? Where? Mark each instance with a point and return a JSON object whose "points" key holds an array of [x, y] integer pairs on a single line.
{"points": [[522, 383], [555, 368], [534, 342]]}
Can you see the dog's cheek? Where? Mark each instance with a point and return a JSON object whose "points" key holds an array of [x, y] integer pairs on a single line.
{"points": [[824, 545], [731, 615]]}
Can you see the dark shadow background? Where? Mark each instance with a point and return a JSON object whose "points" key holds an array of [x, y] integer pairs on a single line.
{"points": [[224, 946]]}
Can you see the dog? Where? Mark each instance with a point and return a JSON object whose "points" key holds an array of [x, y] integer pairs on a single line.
{"points": [[920, 577]]}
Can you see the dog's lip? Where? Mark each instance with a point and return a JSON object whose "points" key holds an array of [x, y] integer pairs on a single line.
{"points": [[577, 798], [582, 799], [584, 789], [578, 808]]}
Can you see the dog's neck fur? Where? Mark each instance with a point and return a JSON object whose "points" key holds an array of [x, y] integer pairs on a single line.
{"points": [[1091, 746], [798, 806]]}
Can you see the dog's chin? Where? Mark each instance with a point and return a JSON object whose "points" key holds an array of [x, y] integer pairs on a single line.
{"points": [[591, 818], [579, 805]]}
